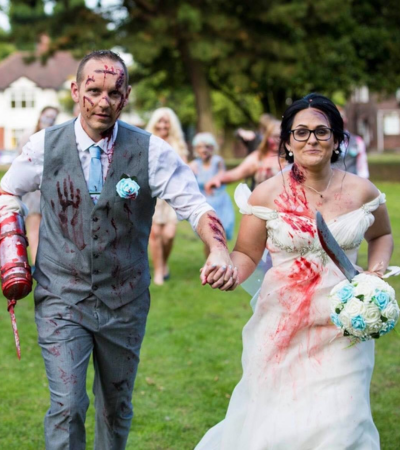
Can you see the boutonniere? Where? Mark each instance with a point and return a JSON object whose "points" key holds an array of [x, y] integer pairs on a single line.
{"points": [[127, 187]]}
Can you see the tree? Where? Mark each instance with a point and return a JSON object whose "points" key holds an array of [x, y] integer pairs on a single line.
{"points": [[264, 52]]}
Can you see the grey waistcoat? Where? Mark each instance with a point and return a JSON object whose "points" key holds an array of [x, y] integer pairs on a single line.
{"points": [[97, 249]]}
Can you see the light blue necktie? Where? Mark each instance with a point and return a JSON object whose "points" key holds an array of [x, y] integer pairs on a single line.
{"points": [[95, 173]]}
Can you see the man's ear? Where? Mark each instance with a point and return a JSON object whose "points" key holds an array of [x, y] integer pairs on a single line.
{"points": [[75, 92], [128, 92]]}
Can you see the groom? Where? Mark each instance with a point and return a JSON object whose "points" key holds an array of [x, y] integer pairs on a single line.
{"points": [[99, 179]]}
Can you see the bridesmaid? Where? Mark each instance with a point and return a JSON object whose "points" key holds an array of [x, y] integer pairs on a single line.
{"points": [[165, 124]]}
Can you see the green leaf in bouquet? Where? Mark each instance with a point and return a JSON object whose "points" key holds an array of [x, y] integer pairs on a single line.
{"points": [[360, 297], [375, 335], [384, 319]]}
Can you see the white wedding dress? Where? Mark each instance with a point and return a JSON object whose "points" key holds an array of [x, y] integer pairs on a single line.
{"points": [[303, 387]]}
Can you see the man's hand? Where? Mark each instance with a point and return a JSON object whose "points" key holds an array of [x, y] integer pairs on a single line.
{"points": [[219, 272]]}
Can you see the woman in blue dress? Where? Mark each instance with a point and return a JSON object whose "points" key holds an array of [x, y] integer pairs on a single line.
{"points": [[205, 166]]}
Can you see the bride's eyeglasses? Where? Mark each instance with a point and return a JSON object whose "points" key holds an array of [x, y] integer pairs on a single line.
{"points": [[303, 134]]}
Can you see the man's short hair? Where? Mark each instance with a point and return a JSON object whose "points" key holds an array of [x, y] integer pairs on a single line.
{"points": [[100, 55]]}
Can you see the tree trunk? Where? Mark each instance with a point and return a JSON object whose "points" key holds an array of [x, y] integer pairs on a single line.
{"points": [[202, 92]]}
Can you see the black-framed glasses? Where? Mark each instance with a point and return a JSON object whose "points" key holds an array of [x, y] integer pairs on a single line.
{"points": [[303, 134]]}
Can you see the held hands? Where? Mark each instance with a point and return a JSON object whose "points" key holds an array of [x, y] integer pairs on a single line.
{"points": [[219, 272]]}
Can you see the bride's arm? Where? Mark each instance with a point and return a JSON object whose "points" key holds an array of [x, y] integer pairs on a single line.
{"points": [[250, 246], [380, 242]]}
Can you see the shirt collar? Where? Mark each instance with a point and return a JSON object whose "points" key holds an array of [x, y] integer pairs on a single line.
{"points": [[84, 142]]}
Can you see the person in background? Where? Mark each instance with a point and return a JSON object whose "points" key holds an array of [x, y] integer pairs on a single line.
{"points": [[47, 118], [252, 139], [165, 124], [262, 164], [206, 165], [353, 157]]}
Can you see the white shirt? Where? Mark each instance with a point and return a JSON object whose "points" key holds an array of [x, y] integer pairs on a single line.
{"points": [[169, 177]]}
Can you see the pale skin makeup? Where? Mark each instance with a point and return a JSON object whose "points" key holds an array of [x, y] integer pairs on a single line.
{"points": [[162, 128], [346, 193]]}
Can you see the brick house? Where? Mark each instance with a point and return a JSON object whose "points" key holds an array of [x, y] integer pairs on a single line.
{"points": [[376, 118]]}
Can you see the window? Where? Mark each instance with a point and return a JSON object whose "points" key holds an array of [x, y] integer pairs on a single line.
{"points": [[391, 124], [22, 99]]}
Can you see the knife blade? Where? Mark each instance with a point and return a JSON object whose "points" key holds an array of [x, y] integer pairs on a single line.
{"points": [[333, 249]]}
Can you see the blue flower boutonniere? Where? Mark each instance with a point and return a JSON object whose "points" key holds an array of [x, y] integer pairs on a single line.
{"points": [[127, 187]]}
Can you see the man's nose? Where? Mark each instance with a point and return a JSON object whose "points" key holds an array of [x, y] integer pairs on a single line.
{"points": [[105, 102]]}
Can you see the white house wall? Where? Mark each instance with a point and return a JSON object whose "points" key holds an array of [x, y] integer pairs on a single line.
{"points": [[21, 119]]}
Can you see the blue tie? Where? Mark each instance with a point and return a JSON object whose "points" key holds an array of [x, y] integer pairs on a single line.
{"points": [[95, 173]]}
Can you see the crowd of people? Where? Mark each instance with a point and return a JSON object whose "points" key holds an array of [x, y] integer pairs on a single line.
{"points": [[97, 233]]}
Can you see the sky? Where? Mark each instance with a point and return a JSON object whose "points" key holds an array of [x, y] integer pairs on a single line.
{"points": [[4, 24]]}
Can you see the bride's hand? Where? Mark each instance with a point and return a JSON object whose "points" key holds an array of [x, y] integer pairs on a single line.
{"points": [[219, 272]]}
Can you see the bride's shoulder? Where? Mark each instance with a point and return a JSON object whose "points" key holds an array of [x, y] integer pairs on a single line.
{"points": [[362, 188], [265, 193]]}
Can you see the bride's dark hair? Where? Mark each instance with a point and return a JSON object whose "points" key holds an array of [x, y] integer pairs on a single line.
{"points": [[321, 103]]}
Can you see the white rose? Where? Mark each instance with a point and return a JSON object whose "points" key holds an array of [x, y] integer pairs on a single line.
{"points": [[345, 318], [338, 287], [335, 303], [391, 311], [366, 289], [355, 307], [372, 314]]}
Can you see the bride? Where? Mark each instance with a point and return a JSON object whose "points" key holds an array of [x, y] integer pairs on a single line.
{"points": [[303, 387]]}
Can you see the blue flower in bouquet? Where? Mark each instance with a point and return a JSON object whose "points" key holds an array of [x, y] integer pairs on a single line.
{"points": [[358, 323], [389, 327], [346, 293], [127, 188], [336, 321], [381, 299]]}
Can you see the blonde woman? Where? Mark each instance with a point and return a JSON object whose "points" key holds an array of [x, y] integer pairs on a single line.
{"points": [[165, 124]]}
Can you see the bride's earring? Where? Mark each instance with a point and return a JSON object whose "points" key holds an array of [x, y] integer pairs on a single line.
{"points": [[290, 153], [337, 151]]}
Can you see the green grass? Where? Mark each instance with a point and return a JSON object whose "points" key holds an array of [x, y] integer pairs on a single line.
{"points": [[190, 361]]}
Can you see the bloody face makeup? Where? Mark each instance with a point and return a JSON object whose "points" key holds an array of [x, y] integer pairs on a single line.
{"points": [[312, 152], [101, 96]]}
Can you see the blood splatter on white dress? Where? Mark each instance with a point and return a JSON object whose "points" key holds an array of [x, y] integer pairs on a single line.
{"points": [[303, 387]]}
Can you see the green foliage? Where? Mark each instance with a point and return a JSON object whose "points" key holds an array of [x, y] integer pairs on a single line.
{"points": [[264, 51]]}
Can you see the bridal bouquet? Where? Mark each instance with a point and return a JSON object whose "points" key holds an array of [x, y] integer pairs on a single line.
{"points": [[365, 308]]}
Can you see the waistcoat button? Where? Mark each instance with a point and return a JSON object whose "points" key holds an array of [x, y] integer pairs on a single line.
{"points": [[95, 287], [95, 219], [96, 272], [95, 237]]}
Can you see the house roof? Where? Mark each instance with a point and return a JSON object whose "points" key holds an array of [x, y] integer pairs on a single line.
{"points": [[52, 75]]}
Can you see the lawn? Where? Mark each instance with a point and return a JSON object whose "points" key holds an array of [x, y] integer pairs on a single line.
{"points": [[190, 361]]}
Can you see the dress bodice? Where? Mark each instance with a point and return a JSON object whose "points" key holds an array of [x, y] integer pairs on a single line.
{"points": [[298, 234]]}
